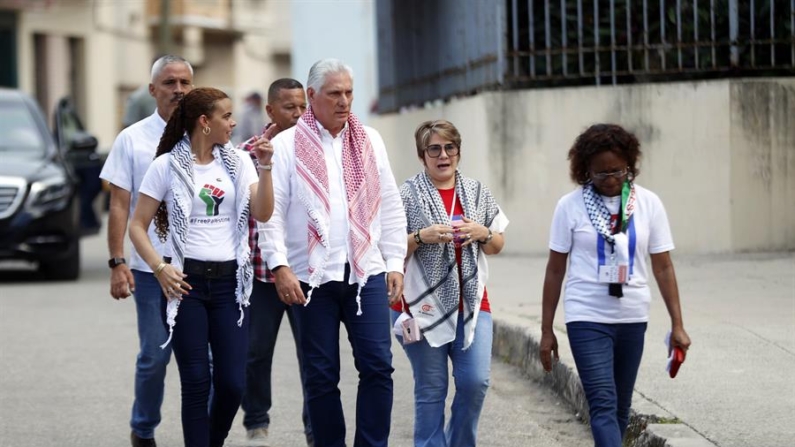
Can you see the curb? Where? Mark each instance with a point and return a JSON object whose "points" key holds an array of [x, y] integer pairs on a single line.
{"points": [[649, 426]]}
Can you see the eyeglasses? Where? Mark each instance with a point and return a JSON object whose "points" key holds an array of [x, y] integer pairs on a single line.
{"points": [[435, 150], [615, 174]]}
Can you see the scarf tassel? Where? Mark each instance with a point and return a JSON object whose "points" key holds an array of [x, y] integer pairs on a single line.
{"points": [[309, 296], [170, 333]]}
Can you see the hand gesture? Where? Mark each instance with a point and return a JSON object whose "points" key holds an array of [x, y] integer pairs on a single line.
{"points": [[263, 150], [172, 282], [288, 287], [272, 131], [547, 347], [394, 286], [680, 338], [122, 282], [436, 234], [471, 231]]}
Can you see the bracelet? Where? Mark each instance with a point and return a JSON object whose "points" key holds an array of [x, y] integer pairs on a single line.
{"points": [[488, 238], [266, 167], [159, 268], [417, 238]]}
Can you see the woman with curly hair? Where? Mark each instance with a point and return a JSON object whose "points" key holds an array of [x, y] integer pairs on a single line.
{"points": [[200, 191], [605, 229]]}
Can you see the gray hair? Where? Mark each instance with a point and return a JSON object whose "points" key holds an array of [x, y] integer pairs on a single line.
{"points": [[324, 67], [161, 63]]}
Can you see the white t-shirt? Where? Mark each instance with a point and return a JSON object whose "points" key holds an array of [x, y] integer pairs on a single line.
{"points": [[129, 158], [586, 299], [211, 230]]}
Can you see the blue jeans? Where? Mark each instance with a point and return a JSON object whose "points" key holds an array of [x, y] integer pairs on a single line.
{"points": [[471, 369], [209, 314], [607, 358], [319, 322], [150, 366], [265, 315]]}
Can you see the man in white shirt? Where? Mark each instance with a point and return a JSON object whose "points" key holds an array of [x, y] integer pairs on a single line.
{"points": [[336, 244], [129, 158]]}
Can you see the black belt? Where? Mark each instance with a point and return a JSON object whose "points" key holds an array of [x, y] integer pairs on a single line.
{"points": [[210, 269]]}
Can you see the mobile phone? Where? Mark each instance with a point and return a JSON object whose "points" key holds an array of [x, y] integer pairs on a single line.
{"points": [[458, 220]]}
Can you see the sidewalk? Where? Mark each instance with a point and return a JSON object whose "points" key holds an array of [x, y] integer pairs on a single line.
{"points": [[736, 387]]}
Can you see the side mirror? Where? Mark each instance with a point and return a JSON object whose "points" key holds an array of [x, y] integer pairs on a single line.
{"points": [[83, 142]]}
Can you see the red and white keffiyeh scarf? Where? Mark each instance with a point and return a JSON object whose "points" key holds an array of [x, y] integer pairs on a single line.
{"points": [[362, 190]]}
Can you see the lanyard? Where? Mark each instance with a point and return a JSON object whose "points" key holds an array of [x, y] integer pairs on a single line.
{"points": [[452, 206]]}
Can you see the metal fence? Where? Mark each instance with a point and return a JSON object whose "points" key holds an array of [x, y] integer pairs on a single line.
{"points": [[435, 49]]}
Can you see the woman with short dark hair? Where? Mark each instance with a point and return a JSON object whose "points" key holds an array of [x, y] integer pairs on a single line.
{"points": [[605, 229]]}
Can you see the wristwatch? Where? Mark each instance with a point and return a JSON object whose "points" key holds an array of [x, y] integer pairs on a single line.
{"points": [[488, 238], [115, 262]]}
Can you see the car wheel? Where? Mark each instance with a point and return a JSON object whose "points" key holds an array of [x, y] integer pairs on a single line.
{"points": [[65, 269]]}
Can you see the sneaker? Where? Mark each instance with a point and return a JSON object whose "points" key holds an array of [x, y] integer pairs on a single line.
{"points": [[257, 437], [137, 441]]}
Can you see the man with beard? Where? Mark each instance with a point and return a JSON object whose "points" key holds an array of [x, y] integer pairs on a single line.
{"points": [[286, 103], [129, 158]]}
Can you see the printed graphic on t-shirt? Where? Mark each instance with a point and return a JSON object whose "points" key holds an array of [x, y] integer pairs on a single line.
{"points": [[213, 196]]}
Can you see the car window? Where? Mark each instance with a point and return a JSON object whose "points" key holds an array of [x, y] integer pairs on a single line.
{"points": [[18, 130], [69, 125]]}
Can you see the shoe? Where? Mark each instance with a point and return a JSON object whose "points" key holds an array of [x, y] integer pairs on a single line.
{"points": [[141, 442], [257, 437]]}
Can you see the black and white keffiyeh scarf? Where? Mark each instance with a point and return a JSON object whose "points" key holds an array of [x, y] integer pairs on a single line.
{"points": [[433, 290], [183, 189], [601, 220]]}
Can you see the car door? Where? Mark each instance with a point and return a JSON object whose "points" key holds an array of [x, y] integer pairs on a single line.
{"points": [[79, 150]]}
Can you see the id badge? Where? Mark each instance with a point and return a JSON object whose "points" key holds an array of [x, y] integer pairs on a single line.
{"points": [[613, 274]]}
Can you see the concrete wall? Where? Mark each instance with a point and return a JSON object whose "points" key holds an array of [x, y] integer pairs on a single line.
{"points": [[720, 154], [343, 30]]}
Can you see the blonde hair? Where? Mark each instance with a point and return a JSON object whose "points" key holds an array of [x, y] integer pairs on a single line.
{"points": [[445, 129]]}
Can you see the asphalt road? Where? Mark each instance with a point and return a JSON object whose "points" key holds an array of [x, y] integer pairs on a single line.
{"points": [[67, 356]]}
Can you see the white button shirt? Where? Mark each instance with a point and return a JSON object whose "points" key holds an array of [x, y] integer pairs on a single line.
{"points": [[283, 239], [132, 153]]}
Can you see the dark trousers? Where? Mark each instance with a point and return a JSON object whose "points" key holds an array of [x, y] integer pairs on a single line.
{"points": [[265, 318], [370, 337], [209, 314], [607, 358]]}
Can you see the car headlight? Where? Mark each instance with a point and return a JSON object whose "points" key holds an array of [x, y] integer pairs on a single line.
{"points": [[48, 194]]}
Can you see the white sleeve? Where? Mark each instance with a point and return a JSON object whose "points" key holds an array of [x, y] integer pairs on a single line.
{"points": [[660, 239], [155, 183], [500, 222], [560, 232], [118, 168], [271, 233], [393, 216]]}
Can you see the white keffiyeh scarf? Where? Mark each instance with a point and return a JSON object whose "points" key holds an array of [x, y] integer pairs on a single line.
{"points": [[362, 190], [183, 189]]}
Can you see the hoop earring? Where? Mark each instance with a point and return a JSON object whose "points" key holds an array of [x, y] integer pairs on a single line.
{"points": [[206, 130]]}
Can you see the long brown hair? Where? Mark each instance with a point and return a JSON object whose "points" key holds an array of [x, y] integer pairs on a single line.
{"points": [[197, 102]]}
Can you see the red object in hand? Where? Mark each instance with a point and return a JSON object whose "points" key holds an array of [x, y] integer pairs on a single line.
{"points": [[676, 361]]}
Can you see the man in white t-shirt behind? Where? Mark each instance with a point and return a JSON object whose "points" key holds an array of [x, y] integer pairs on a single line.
{"points": [[129, 158]]}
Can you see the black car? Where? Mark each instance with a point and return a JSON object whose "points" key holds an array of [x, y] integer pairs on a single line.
{"points": [[40, 185]]}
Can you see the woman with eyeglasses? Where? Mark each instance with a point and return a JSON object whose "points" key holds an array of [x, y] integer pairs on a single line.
{"points": [[605, 229], [453, 222]]}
